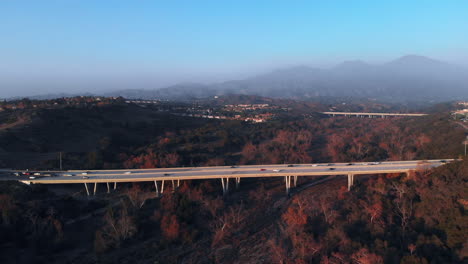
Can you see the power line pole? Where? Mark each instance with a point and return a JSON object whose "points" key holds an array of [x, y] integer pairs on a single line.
{"points": [[466, 142], [60, 160]]}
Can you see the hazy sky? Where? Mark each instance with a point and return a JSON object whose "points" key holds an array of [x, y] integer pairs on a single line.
{"points": [[70, 45]]}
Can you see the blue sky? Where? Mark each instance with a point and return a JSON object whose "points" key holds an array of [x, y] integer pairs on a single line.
{"points": [[84, 44]]}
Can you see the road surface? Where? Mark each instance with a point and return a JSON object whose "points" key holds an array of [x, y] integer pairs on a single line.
{"points": [[192, 173]]}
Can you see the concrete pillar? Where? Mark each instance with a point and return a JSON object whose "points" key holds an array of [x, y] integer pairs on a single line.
{"points": [[86, 187], [162, 186], [350, 180], [108, 187], [173, 186], [408, 173], [295, 181], [222, 185], [237, 182], [115, 185], [178, 183], [157, 189], [225, 185], [95, 188], [287, 180]]}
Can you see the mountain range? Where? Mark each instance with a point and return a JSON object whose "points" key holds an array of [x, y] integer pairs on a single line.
{"points": [[409, 78]]}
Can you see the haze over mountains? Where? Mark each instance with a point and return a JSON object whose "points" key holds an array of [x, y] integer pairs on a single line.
{"points": [[409, 78]]}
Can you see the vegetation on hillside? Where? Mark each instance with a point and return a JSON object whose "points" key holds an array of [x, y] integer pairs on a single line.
{"points": [[383, 219]]}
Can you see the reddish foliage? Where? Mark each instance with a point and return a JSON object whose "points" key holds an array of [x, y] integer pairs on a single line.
{"points": [[170, 227]]}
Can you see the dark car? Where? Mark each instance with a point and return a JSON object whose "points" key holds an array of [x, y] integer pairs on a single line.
{"points": [[290, 165], [262, 169], [331, 168], [167, 174]]}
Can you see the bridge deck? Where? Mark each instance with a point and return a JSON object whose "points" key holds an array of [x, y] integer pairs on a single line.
{"points": [[370, 114], [254, 171]]}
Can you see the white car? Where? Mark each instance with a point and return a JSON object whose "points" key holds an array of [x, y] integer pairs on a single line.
{"points": [[314, 165], [276, 170], [32, 177], [128, 172], [84, 173], [67, 174]]}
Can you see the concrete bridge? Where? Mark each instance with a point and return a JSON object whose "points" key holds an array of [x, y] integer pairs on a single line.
{"points": [[226, 174], [370, 115]]}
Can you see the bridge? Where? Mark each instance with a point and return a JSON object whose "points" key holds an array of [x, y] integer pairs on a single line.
{"points": [[226, 174], [358, 114]]}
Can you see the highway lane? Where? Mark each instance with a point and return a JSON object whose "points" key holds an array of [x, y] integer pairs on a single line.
{"points": [[371, 114], [228, 172], [241, 167], [244, 171]]}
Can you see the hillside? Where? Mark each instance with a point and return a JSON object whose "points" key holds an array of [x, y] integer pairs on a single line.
{"points": [[393, 219], [136, 136], [383, 219]]}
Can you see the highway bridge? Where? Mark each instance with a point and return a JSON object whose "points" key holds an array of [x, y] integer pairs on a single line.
{"points": [[358, 114], [159, 176]]}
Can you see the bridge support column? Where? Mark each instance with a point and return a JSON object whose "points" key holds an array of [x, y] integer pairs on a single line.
{"points": [[86, 187], [178, 183], [350, 180], [95, 188], [225, 185], [115, 185], [237, 182], [173, 186], [108, 187], [287, 180], [158, 193], [157, 189], [295, 181]]}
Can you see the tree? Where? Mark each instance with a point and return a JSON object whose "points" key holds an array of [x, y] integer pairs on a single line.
{"points": [[118, 227], [170, 227]]}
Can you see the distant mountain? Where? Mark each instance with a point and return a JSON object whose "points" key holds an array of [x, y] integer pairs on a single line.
{"points": [[409, 78]]}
